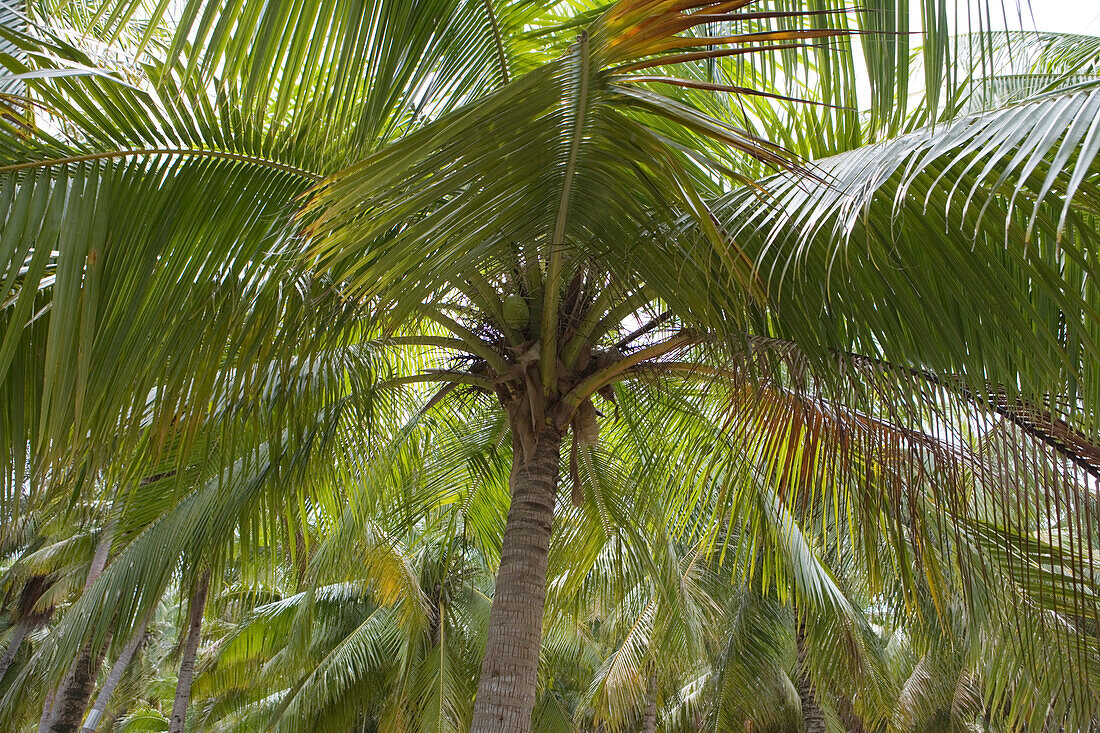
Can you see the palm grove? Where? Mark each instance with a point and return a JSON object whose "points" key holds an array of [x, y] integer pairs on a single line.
{"points": [[506, 366]]}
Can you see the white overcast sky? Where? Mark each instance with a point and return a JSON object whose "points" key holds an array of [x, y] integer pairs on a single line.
{"points": [[1060, 16], [1055, 16], [1067, 16]]}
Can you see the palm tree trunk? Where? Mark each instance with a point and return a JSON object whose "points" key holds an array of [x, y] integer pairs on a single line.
{"points": [[849, 717], [72, 697], [187, 661], [16, 641], [115, 675], [66, 706], [649, 718], [506, 690], [812, 716], [28, 617], [47, 712]]}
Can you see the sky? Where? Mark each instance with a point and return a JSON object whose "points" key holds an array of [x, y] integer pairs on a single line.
{"points": [[1067, 16], [1056, 16], [1061, 16]]}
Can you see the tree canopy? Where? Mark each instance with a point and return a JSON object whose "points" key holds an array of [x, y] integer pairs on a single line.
{"points": [[506, 366]]}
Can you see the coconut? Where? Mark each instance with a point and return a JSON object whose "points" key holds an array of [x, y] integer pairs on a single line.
{"points": [[516, 312]]}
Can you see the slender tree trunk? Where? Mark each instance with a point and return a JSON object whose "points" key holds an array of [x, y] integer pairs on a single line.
{"points": [[649, 718], [67, 705], [28, 617], [812, 716], [187, 661], [16, 641], [99, 559], [47, 712], [115, 675], [506, 690], [72, 698], [848, 715]]}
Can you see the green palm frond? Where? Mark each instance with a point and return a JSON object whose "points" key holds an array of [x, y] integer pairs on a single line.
{"points": [[288, 292]]}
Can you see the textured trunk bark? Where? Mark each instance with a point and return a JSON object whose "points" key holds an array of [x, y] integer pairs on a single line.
{"points": [[66, 706], [848, 715], [29, 617], [187, 661], [47, 712], [16, 641], [115, 675], [649, 719], [72, 697], [812, 716], [99, 559], [506, 690]]}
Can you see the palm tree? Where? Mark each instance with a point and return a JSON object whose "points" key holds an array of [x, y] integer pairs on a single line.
{"points": [[548, 211], [175, 515], [396, 648]]}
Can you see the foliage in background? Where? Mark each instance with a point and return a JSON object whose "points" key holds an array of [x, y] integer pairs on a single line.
{"points": [[840, 456]]}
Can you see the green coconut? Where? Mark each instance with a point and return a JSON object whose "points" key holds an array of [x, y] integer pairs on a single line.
{"points": [[516, 312]]}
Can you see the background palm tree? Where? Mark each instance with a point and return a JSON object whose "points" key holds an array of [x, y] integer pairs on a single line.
{"points": [[523, 217]]}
